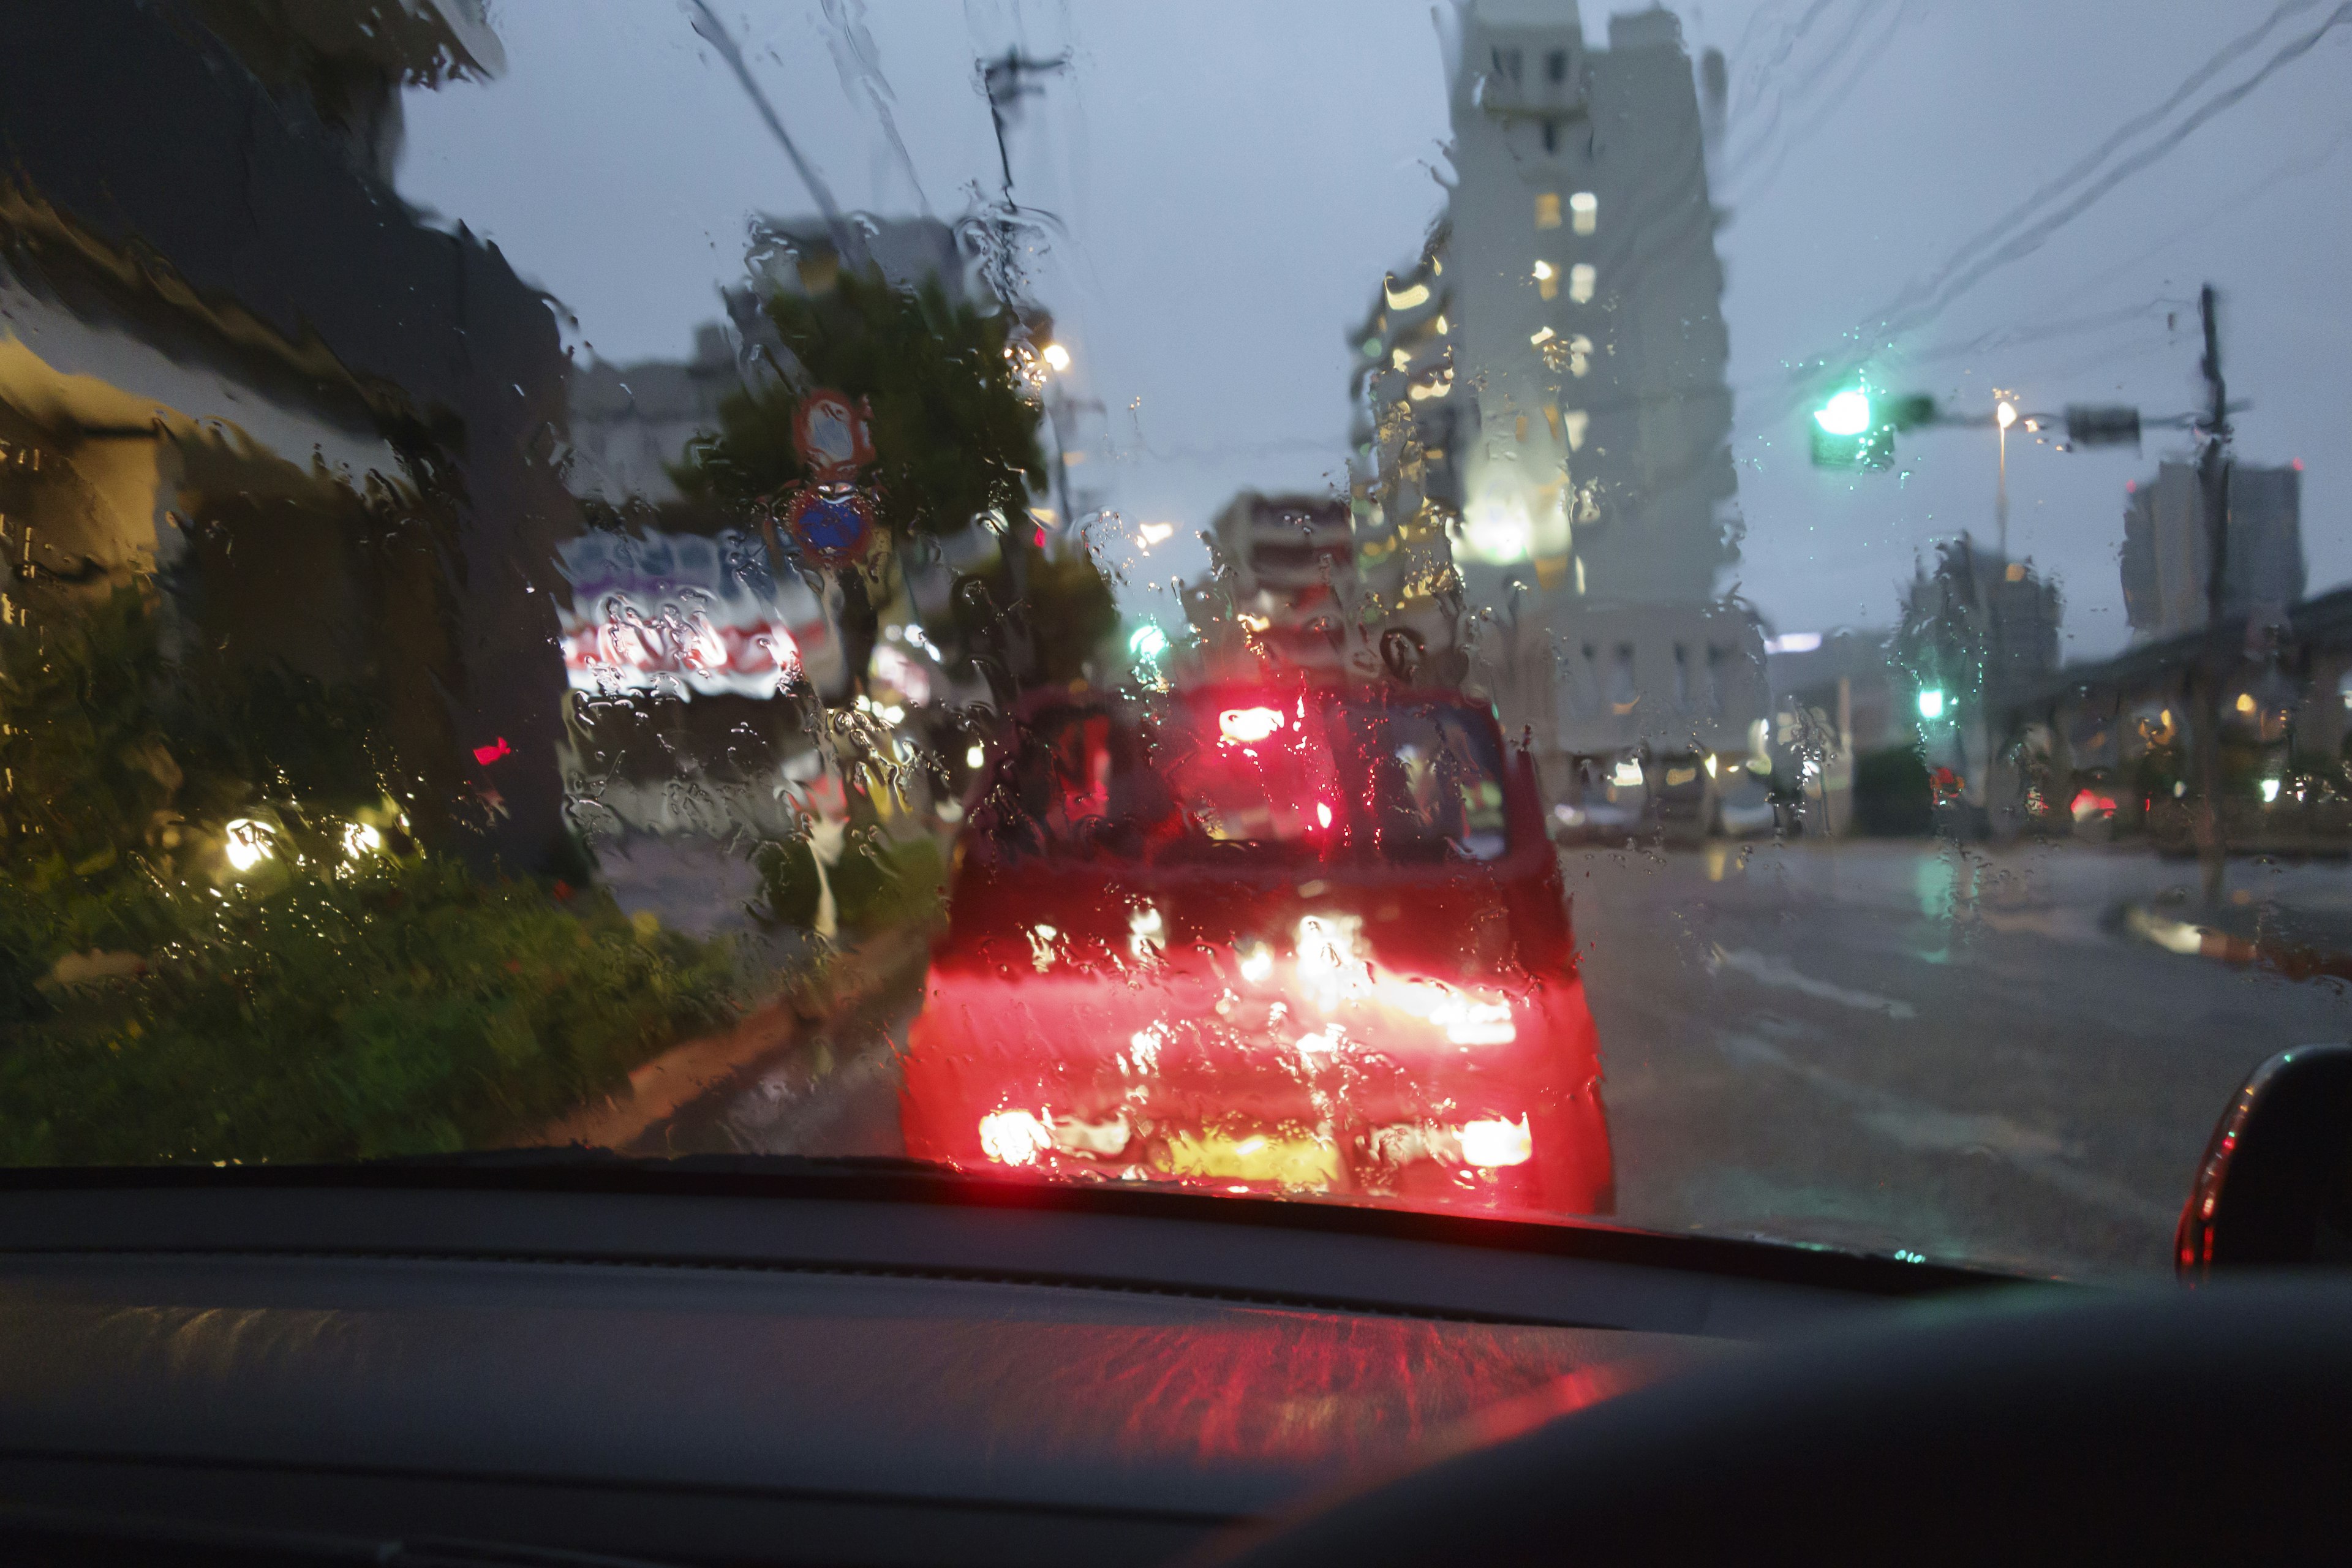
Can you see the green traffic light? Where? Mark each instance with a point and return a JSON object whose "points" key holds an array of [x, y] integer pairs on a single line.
{"points": [[1850, 432], [1847, 414], [1931, 704]]}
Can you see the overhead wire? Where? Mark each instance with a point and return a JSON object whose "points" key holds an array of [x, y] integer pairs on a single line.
{"points": [[2083, 185]]}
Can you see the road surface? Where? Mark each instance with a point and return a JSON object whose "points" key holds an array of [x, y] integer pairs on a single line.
{"points": [[1901, 1046]]}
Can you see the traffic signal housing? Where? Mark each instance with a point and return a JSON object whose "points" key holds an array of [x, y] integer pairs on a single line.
{"points": [[1851, 429]]}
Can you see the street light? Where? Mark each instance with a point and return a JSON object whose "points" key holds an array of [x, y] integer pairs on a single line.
{"points": [[1931, 703], [1057, 356], [2004, 415]]}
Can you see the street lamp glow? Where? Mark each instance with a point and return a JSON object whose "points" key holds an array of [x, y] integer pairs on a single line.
{"points": [[1057, 356], [1147, 642], [1931, 703], [2004, 412], [1847, 414], [247, 844]]}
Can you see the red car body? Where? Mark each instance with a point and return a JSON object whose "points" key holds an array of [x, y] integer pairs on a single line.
{"points": [[1264, 940]]}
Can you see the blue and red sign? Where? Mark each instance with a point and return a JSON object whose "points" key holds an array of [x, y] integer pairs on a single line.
{"points": [[833, 524]]}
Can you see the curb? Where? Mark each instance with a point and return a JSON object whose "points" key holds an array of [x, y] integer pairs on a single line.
{"points": [[2219, 946], [660, 1089]]}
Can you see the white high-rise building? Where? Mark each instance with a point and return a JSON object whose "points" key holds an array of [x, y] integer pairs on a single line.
{"points": [[1589, 421]]}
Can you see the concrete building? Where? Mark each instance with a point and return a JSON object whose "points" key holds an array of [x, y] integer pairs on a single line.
{"points": [[630, 423], [1549, 381], [1588, 298], [1284, 595], [2168, 551], [235, 365], [1977, 630]]}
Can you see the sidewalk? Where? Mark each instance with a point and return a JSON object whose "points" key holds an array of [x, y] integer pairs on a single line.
{"points": [[717, 1063]]}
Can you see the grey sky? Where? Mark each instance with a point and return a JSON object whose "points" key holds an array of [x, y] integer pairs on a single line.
{"points": [[1234, 178]]}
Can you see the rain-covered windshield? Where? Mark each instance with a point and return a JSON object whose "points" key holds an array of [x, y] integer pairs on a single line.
{"points": [[1697, 617], [1218, 772]]}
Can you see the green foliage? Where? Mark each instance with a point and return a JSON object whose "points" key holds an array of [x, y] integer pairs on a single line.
{"points": [[1071, 611], [314, 1009], [790, 891], [882, 885], [955, 434], [123, 767], [879, 884], [409, 1009]]}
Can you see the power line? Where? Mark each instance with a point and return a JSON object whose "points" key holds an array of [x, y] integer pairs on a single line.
{"points": [[1737, 169], [2002, 242], [713, 32], [1992, 251]]}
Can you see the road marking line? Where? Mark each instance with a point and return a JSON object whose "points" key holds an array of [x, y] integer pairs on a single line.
{"points": [[1780, 972], [1931, 1129]]}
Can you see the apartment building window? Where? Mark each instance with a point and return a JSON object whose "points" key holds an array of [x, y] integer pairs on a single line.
{"points": [[1546, 209], [1581, 280], [1556, 66], [1586, 208]]}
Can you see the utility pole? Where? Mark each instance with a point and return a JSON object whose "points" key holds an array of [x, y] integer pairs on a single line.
{"points": [[1007, 82], [2223, 650]]}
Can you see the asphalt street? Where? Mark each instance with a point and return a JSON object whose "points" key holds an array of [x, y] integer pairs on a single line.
{"points": [[1917, 1046], [1907, 1046]]}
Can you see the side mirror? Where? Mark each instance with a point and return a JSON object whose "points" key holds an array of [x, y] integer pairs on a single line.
{"points": [[2274, 1189]]}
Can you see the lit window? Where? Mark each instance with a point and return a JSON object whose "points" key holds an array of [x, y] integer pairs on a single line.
{"points": [[1407, 297], [1581, 278], [1576, 421], [1586, 208], [1547, 209], [1546, 280]]}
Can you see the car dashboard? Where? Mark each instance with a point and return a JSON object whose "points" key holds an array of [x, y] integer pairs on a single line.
{"points": [[682, 1364]]}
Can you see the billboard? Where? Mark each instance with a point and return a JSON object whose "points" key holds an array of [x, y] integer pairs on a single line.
{"points": [[689, 616]]}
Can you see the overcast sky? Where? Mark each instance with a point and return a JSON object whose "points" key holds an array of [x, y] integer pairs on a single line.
{"points": [[1232, 179]]}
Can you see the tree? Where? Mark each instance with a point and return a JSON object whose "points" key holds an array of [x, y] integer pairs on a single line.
{"points": [[953, 422]]}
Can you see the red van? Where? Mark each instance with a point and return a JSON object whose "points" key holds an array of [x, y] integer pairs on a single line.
{"points": [[1264, 939]]}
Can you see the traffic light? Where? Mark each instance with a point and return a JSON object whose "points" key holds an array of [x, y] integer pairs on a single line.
{"points": [[2099, 425], [1848, 433], [1852, 430]]}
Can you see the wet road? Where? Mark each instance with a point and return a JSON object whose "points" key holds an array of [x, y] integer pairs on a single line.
{"points": [[1899, 1045], [1896, 1045]]}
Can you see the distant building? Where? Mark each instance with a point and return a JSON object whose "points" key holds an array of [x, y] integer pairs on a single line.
{"points": [[631, 423], [1588, 301], [1284, 591], [1979, 622], [2168, 551], [1844, 677], [1546, 386]]}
